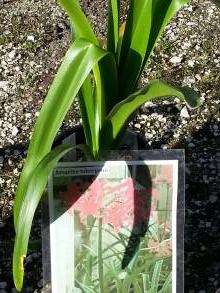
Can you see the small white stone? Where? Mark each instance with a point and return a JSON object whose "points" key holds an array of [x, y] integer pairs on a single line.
{"points": [[207, 72], [160, 118], [191, 63], [137, 125], [30, 38], [28, 115], [149, 104], [2, 181], [198, 77], [15, 171], [176, 60], [176, 100], [186, 45], [149, 135], [189, 80], [184, 113], [210, 10], [190, 23], [4, 85], [164, 146], [11, 54], [144, 116], [14, 131]]}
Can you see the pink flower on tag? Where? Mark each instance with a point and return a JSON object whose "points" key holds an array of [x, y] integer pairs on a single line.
{"points": [[118, 205], [91, 202]]}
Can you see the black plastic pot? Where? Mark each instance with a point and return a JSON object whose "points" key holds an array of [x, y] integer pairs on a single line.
{"points": [[130, 140]]}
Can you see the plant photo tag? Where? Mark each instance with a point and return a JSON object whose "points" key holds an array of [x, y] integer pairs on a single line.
{"points": [[113, 226]]}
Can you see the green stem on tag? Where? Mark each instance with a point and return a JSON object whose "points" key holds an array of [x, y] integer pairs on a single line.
{"points": [[100, 260]]}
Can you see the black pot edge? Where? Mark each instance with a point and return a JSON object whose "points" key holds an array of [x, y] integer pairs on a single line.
{"points": [[80, 137]]}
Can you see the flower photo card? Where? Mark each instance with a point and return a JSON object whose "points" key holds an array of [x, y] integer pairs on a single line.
{"points": [[113, 227]]}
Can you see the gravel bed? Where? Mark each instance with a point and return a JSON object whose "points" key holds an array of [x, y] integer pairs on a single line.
{"points": [[34, 36]]}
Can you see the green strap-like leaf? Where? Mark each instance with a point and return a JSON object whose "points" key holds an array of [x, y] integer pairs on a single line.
{"points": [[121, 113], [162, 12], [80, 23], [35, 188], [146, 21], [134, 44], [76, 66], [88, 106], [83, 29], [156, 276], [167, 284], [108, 71], [113, 25], [87, 110]]}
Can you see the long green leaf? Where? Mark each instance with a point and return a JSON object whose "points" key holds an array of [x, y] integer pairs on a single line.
{"points": [[121, 113], [167, 284], [88, 108], [146, 21], [146, 281], [76, 66], [162, 12], [104, 91], [136, 285], [156, 276], [134, 44], [106, 85], [82, 27], [108, 70], [113, 25], [89, 115], [35, 188]]}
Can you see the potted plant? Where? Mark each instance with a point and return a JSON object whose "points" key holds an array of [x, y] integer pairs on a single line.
{"points": [[105, 78]]}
